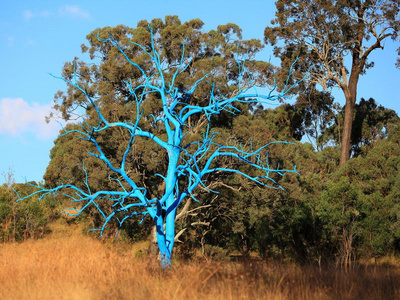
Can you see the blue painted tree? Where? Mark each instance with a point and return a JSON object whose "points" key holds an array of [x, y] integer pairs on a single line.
{"points": [[190, 164]]}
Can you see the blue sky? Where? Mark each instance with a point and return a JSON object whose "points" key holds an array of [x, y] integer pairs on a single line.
{"points": [[38, 37]]}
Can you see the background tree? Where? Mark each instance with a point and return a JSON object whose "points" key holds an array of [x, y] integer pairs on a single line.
{"points": [[27, 220], [371, 123], [188, 147], [334, 40], [316, 111]]}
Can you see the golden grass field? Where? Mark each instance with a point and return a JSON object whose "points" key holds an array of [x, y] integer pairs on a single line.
{"points": [[72, 266]]}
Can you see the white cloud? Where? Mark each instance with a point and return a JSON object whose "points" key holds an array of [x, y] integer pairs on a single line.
{"points": [[11, 41], [31, 42], [19, 117], [45, 13], [73, 11], [28, 14]]}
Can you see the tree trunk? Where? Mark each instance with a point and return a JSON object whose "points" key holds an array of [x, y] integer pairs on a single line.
{"points": [[163, 245], [153, 246], [350, 93], [346, 133], [166, 225]]}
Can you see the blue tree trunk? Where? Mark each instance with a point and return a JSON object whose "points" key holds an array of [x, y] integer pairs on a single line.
{"points": [[166, 230], [165, 252]]}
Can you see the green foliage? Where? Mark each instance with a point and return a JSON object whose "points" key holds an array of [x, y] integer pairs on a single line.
{"points": [[371, 123], [324, 214], [28, 219], [317, 113]]}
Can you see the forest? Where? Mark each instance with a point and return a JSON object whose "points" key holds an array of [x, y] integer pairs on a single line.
{"points": [[337, 204]]}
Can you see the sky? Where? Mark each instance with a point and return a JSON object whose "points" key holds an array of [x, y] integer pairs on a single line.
{"points": [[38, 37]]}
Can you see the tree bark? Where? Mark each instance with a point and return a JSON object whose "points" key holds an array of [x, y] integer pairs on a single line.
{"points": [[346, 133], [350, 93]]}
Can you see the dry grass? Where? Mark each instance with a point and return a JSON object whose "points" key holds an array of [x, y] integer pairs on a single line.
{"points": [[78, 267]]}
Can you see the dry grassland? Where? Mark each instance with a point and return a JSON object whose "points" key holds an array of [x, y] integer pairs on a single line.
{"points": [[79, 267]]}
